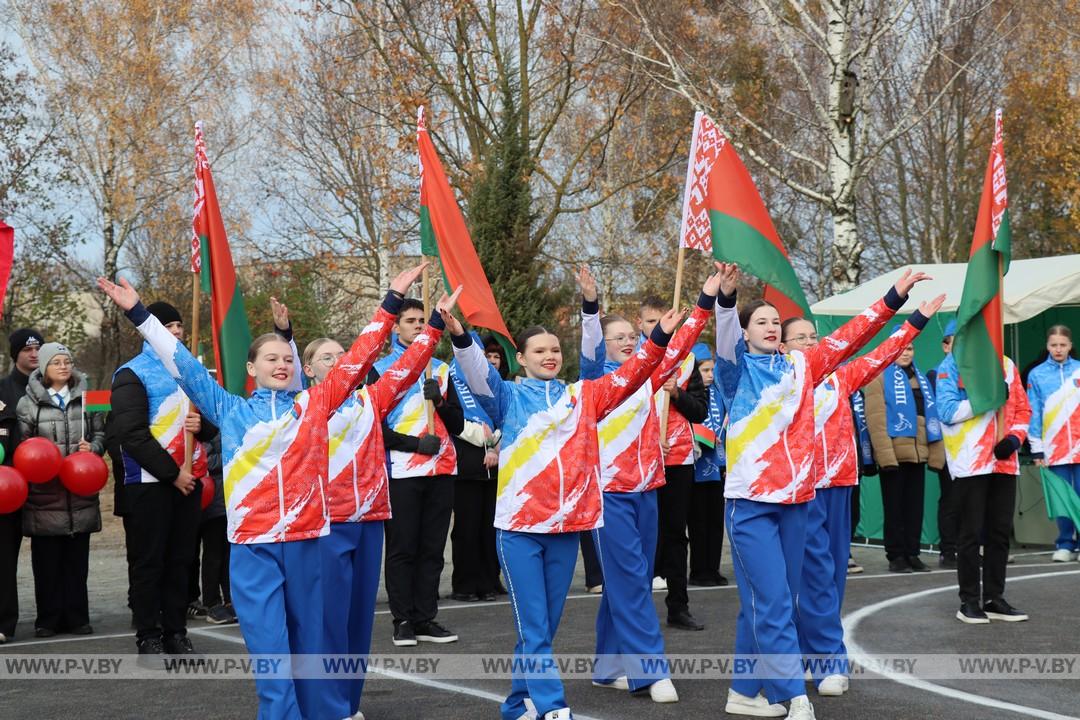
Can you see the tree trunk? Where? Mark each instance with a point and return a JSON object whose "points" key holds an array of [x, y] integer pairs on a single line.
{"points": [[847, 248]]}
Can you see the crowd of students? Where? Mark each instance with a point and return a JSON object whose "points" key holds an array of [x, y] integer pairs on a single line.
{"points": [[337, 449]]}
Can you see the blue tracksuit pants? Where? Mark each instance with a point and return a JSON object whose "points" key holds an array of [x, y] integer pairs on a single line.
{"points": [[1067, 539], [626, 623], [824, 577], [275, 587], [351, 565], [538, 569], [767, 550]]}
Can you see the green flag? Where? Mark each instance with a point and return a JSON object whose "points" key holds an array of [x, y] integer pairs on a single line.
{"points": [[1061, 499]]}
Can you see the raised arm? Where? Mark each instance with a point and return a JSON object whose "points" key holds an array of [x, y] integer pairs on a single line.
{"points": [[352, 367], [394, 384], [483, 379], [283, 327], [690, 331], [615, 387], [593, 351], [860, 371], [730, 343], [850, 337]]}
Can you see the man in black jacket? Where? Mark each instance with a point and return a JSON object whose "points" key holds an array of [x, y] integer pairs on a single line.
{"points": [[157, 496], [24, 344]]}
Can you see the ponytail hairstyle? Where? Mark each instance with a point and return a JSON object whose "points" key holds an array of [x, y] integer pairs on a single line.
{"points": [[257, 344], [750, 308], [1062, 330]]}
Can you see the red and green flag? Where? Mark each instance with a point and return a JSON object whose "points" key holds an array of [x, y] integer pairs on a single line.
{"points": [[443, 235], [1061, 498], [723, 213], [703, 435], [980, 343], [97, 401], [212, 259]]}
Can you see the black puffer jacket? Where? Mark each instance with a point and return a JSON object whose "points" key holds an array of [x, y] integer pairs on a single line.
{"points": [[50, 509]]}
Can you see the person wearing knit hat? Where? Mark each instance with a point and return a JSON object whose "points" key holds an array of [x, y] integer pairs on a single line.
{"points": [[24, 344], [169, 317]]}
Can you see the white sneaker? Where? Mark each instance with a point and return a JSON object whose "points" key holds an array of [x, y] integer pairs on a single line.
{"points": [[1062, 555], [3, 638], [756, 706], [800, 709], [595, 590], [619, 683], [659, 583], [560, 714], [833, 685], [663, 691], [358, 716]]}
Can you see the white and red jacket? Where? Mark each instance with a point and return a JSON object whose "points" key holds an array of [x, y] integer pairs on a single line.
{"points": [[770, 400], [274, 443], [969, 438], [1054, 395], [549, 458], [680, 433], [631, 459], [836, 459]]}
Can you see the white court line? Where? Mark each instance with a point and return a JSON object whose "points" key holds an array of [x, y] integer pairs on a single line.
{"points": [[74, 638], [394, 675], [857, 654]]}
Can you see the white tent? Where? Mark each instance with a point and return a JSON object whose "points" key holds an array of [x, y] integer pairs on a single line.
{"points": [[1031, 287]]}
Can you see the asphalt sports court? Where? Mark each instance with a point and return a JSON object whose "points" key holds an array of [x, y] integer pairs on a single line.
{"points": [[884, 613]]}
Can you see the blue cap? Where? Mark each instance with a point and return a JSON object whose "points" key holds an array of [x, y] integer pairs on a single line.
{"points": [[701, 352], [950, 328]]}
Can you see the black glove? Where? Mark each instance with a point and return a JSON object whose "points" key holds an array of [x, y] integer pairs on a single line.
{"points": [[428, 444], [1006, 447], [869, 469], [432, 391]]}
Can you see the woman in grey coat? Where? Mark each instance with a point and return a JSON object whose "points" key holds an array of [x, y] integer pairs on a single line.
{"points": [[59, 522]]}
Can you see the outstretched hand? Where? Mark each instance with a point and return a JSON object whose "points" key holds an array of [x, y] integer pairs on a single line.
{"points": [[404, 280], [907, 281], [452, 323], [723, 280], [671, 320], [123, 294], [929, 307], [280, 313], [448, 302], [587, 284]]}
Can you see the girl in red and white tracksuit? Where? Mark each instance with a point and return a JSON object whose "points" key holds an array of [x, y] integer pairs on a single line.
{"points": [[274, 449]]}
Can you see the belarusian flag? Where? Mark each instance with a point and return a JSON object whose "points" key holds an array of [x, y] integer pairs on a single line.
{"points": [[723, 213], [980, 344], [1061, 498], [97, 401], [443, 235], [703, 435], [212, 258]]}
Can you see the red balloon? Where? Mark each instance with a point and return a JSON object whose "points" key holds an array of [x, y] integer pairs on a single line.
{"points": [[38, 459], [13, 489], [84, 473], [207, 492]]}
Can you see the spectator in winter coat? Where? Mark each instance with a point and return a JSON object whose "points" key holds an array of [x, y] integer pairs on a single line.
{"points": [[25, 344], [58, 521]]}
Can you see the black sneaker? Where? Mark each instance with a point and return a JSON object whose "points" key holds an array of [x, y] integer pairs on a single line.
{"points": [[44, 632], [971, 614], [196, 610], [1001, 610], [917, 565], [464, 597], [151, 651], [433, 632], [86, 629], [220, 615], [947, 561], [721, 581], [900, 565], [403, 634], [177, 644], [684, 621]]}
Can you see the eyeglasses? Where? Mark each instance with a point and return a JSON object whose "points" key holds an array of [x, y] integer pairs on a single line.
{"points": [[802, 339], [328, 359], [60, 363], [621, 339]]}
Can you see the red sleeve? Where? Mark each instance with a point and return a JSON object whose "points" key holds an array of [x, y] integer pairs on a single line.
{"points": [[394, 384], [861, 371], [680, 345], [352, 367], [1017, 407], [848, 339], [610, 390]]}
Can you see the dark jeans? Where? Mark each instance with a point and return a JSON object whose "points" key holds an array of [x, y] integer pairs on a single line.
{"points": [[162, 527], [10, 542], [673, 501], [476, 564], [985, 504], [214, 542], [415, 540], [61, 565], [706, 526], [902, 492], [948, 514], [594, 572]]}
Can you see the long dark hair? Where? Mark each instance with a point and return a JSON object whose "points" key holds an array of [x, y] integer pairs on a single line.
{"points": [[750, 308], [528, 333]]}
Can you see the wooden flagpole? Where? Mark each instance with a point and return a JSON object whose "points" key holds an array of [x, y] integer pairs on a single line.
{"points": [[1000, 424], [665, 399]]}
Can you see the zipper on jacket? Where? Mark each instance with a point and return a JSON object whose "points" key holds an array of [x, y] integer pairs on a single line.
{"points": [[280, 477]]}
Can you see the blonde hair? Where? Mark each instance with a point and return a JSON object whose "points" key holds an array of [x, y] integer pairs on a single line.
{"points": [[313, 347]]}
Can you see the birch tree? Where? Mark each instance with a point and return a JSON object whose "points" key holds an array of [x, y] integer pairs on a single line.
{"points": [[817, 137]]}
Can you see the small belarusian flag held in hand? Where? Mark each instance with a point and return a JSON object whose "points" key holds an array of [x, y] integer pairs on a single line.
{"points": [[704, 436], [97, 401], [980, 333]]}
